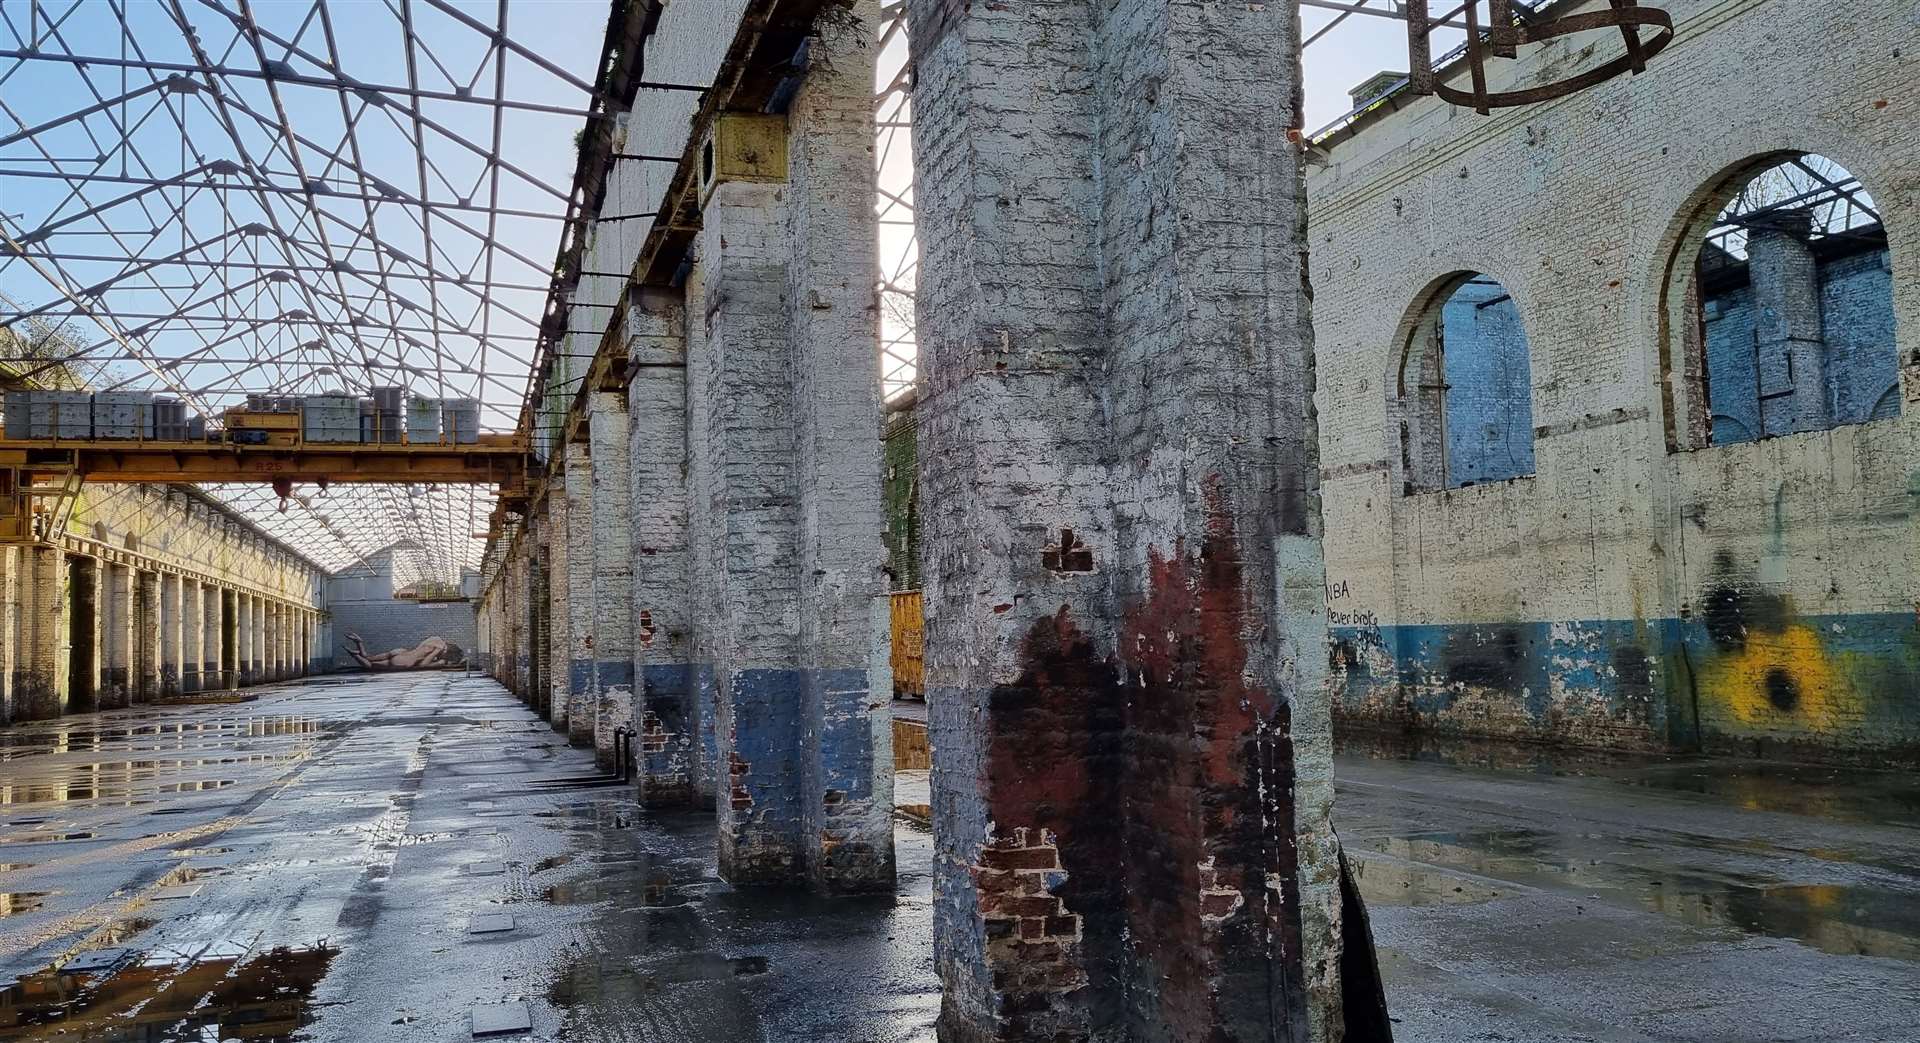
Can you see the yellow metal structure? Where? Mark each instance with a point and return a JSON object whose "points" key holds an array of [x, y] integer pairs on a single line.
{"points": [[280, 429], [909, 643], [39, 478]]}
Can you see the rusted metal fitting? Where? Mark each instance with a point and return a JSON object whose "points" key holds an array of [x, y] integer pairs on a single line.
{"points": [[1503, 37]]}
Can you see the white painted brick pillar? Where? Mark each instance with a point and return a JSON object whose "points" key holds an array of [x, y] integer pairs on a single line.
{"points": [[1125, 616], [674, 690], [146, 636], [282, 657], [9, 627], [116, 636], [612, 572], [833, 308], [270, 630], [190, 630], [312, 649], [39, 681], [260, 648], [214, 673], [579, 560], [558, 650], [746, 576], [86, 587], [243, 646]]}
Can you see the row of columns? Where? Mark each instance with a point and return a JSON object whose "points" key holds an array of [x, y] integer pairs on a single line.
{"points": [[82, 633], [1125, 633], [706, 567]]}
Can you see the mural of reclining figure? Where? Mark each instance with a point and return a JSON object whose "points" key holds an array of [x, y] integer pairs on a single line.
{"points": [[430, 654]]}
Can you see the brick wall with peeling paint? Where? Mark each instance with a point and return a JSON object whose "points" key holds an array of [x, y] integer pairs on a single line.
{"points": [[1758, 596]]}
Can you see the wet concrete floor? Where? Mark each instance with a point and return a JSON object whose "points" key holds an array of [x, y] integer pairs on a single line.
{"points": [[404, 858], [1518, 894], [419, 858]]}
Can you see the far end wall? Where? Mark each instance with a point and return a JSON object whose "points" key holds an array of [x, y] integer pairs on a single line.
{"points": [[361, 602]]}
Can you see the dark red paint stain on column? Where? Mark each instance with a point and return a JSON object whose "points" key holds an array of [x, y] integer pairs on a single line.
{"points": [[1163, 776]]}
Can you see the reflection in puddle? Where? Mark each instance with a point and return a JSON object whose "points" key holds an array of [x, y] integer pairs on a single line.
{"points": [[266, 998], [1847, 921], [121, 930], [44, 838], [1841, 919], [1387, 882], [16, 902]]}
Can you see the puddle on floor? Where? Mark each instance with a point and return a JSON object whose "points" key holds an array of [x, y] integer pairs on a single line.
{"points": [[45, 838], [1393, 883], [1838, 794], [1844, 920], [120, 931], [264, 998], [1848, 919]]}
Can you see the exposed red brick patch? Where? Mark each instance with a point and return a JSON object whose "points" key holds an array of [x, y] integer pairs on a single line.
{"points": [[737, 776]]}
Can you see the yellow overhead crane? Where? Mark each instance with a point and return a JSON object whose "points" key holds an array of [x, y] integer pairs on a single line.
{"points": [[39, 477]]}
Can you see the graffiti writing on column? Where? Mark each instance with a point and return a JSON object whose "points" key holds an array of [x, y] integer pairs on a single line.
{"points": [[434, 653]]}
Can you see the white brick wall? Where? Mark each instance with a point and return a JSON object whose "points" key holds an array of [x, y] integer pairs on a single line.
{"points": [[1578, 207]]}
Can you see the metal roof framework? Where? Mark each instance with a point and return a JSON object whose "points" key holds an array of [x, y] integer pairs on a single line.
{"points": [[232, 197], [1834, 200], [211, 198]]}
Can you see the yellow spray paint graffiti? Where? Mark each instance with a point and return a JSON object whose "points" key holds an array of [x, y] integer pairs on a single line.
{"points": [[1779, 680]]}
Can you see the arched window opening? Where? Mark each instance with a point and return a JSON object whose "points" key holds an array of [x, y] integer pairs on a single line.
{"points": [[1791, 295], [1466, 389]]}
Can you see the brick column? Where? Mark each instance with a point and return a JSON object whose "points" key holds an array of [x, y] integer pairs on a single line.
{"points": [[612, 572], [114, 650], [319, 657], [276, 665], [83, 645], [258, 652], [146, 637], [558, 649], [116, 636], [676, 690], [1125, 620], [39, 681], [219, 673], [192, 629], [1790, 348], [746, 576], [9, 627], [242, 633], [580, 559], [833, 316], [533, 641], [512, 617]]}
